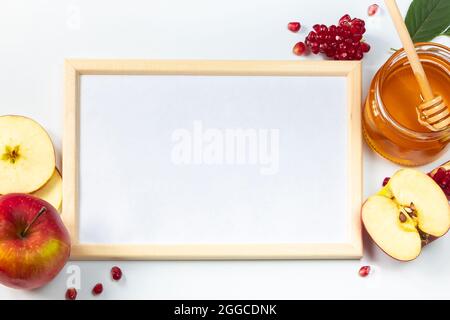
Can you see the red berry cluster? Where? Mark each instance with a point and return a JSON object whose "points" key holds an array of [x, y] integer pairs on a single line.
{"points": [[116, 273], [342, 42], [442, 178]]}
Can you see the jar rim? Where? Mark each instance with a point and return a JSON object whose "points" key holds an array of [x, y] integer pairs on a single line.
{"points": [[411, 133]]}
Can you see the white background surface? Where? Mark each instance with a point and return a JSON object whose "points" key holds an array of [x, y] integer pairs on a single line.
{"points": [[266, 197], [35, 37]]}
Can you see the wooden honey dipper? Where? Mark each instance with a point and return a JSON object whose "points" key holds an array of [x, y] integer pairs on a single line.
{"points": [[433, 112]]}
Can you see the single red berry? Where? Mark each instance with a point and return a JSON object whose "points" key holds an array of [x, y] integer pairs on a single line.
{"points": [[343, 56], [312, 36], [365, 47], [344, 20], [315, 47], [447, 179], [356, 29], [116, 273], [364, 271], [357, 55], [299, 48], [440, 175], [294, 26], [386, 180], [97, 289], [71, 294], [357, 22], [372, 10]]}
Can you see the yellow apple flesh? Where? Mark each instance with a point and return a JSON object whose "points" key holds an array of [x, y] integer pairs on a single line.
{"points": [[52, 191], [27, 157]]}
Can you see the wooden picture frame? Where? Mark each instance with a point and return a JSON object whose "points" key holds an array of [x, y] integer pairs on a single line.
{"points": [[351, 70]]}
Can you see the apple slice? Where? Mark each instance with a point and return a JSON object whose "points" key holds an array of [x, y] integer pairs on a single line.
{"points": [[405, 213], [27, 157], [52, 191]]}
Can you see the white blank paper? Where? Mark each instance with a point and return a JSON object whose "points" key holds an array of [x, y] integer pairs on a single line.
{"points": [[141, 181]]}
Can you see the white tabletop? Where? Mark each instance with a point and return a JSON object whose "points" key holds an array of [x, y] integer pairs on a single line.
{"points": [[36, 36]]}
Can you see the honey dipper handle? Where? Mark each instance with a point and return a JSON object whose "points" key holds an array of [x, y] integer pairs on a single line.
{"points": [[410, 50]]}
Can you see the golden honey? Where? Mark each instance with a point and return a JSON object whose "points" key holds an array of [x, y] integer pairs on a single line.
{"points": [[390, 120]]}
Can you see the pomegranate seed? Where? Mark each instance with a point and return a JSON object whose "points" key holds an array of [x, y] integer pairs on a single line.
{"points": [[447, 179], [357, 22], [323, 28], [294, 26], [372, 10], [365, 47], [440, 175], [357, 37], [116, 273], [344, 19], [332, 29], [71, 294], [299, 49], [312, 36], [385, 181], [355, 29], [97, 289], [364, 271], [316, 27], [358, 56]]}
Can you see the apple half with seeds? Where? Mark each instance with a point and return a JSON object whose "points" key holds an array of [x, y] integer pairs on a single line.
{"points": [[406, 214], [52, 191], [27, 156]]}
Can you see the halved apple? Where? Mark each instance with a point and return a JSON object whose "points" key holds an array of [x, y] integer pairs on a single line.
{"points": [[52, 191], [27, 157], [409, 211]]}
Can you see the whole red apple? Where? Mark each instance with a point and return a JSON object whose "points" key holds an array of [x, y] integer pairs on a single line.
{"points": [[34, 244]]}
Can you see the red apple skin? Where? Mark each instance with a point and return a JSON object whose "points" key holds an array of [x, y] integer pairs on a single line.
{"points": [[31, 261]]}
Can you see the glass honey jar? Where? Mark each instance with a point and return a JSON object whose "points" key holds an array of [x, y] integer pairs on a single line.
{"points": [[390, 121]]}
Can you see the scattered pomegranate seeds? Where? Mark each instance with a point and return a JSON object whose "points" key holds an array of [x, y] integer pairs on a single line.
{"points": [[116, 273], [97, 289], [341, 42], [71, 294], [299, 49], [372, 10], [364, 271], [385, 181], [294, 26]]}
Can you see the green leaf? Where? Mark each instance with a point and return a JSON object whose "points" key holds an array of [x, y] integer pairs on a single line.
{"points": [[426, 19], [446, 33]]}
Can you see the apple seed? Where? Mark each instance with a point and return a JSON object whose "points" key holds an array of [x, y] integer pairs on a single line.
{"points": [[402, 217]]}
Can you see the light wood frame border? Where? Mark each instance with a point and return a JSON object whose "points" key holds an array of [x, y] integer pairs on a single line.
{"points": [[351, 70]]}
